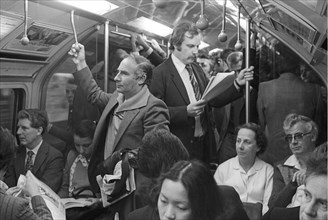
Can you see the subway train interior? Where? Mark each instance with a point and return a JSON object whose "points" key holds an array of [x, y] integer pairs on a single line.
{"points": [[36, 70], [34, 74]]}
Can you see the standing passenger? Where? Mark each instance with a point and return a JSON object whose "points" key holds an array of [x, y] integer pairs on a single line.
{"points": [[282, 96], [128, 113], [180, 83]]}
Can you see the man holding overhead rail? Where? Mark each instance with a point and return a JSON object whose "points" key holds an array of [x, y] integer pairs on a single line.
{"points": [[180, 83], [128, 113]]}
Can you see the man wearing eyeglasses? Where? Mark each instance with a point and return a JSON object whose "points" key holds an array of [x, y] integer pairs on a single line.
{"points": [[301, 134], [313, 205]]}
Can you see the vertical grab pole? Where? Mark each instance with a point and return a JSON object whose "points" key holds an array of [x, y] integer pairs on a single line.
{"points": [[106, 55], [247, 47]]}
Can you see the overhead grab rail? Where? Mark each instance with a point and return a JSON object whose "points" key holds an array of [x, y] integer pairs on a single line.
{"points": [[129, 36]]}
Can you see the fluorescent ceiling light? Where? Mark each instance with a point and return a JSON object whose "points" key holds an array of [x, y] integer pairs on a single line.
{"points": [[151, 26], [203, 45], [99, 7], [228, 4]]}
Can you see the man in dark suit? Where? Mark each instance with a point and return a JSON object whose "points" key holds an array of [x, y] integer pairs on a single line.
{"points": [[34, 154], [128, 113], [287, 94], [180, 82]]}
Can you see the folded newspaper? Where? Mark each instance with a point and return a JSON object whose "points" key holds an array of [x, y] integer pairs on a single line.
{"points": [[218, 84], [52, 200], [80, 202]]}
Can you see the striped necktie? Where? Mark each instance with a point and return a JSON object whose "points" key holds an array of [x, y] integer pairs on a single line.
{"points": [[194, 82], [29, 161]]}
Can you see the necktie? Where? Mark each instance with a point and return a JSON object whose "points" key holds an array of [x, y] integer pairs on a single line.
{"points": [[194, 82], [29, 161], [199, 131]]}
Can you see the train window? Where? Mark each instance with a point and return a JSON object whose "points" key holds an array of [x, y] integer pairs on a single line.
{"points": [[11, 102]]}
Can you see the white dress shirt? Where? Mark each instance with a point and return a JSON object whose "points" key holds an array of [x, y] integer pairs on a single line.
{"points": [[253, 186]]}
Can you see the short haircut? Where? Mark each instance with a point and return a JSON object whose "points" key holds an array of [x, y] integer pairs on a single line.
{"points": [[316, 164], [159, 150], [37, 117], [179, 31], [293, 118], [286, 59], [144, 67], [260, 137], [85, 129], [7, 147], [202, 190]]}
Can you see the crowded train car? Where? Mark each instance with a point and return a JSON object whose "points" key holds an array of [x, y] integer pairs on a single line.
{"points": [[146, 106]]}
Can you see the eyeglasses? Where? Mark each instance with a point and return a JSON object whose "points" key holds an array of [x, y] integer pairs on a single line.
{"points": [[297, 137]]}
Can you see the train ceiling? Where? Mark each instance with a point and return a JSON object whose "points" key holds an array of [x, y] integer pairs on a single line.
{"points": [[299, 23]]}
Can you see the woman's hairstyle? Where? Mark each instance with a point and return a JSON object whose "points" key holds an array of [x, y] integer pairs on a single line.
{"points": [[7, 147], [202, 190], [179, 31], [86, 128], [260, 138], [37, 117], [293, 118], [159, 150]]}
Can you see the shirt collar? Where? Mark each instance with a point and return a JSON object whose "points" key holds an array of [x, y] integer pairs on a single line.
{"points": [[292, 161], [178, 64], [256, 166], [35, 150], [137, 101]]}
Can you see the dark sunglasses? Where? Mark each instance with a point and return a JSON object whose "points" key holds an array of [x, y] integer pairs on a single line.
{"points": [[296, 136]]}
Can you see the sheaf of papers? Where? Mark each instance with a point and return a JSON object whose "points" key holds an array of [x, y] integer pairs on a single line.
{"points": [[52, 200], [218, 84]]}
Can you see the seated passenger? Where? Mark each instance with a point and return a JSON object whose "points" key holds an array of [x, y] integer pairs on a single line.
{"points": [[16, 207], [188, 192], [250, 176], [314, 203], [75, 179], [301, 135], [293, 193], [44, 161]]}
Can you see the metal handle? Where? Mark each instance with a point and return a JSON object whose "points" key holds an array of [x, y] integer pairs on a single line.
{"points": [[129, 36], [73, 27]]}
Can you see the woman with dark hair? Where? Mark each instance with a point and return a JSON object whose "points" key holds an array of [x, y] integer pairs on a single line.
{"points": [[249, 175], [188, 192]]}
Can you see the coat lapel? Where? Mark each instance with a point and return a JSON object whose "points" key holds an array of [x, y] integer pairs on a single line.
{"points": [[178, 81], [40, 157], [128, 118], [102, 126]]}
